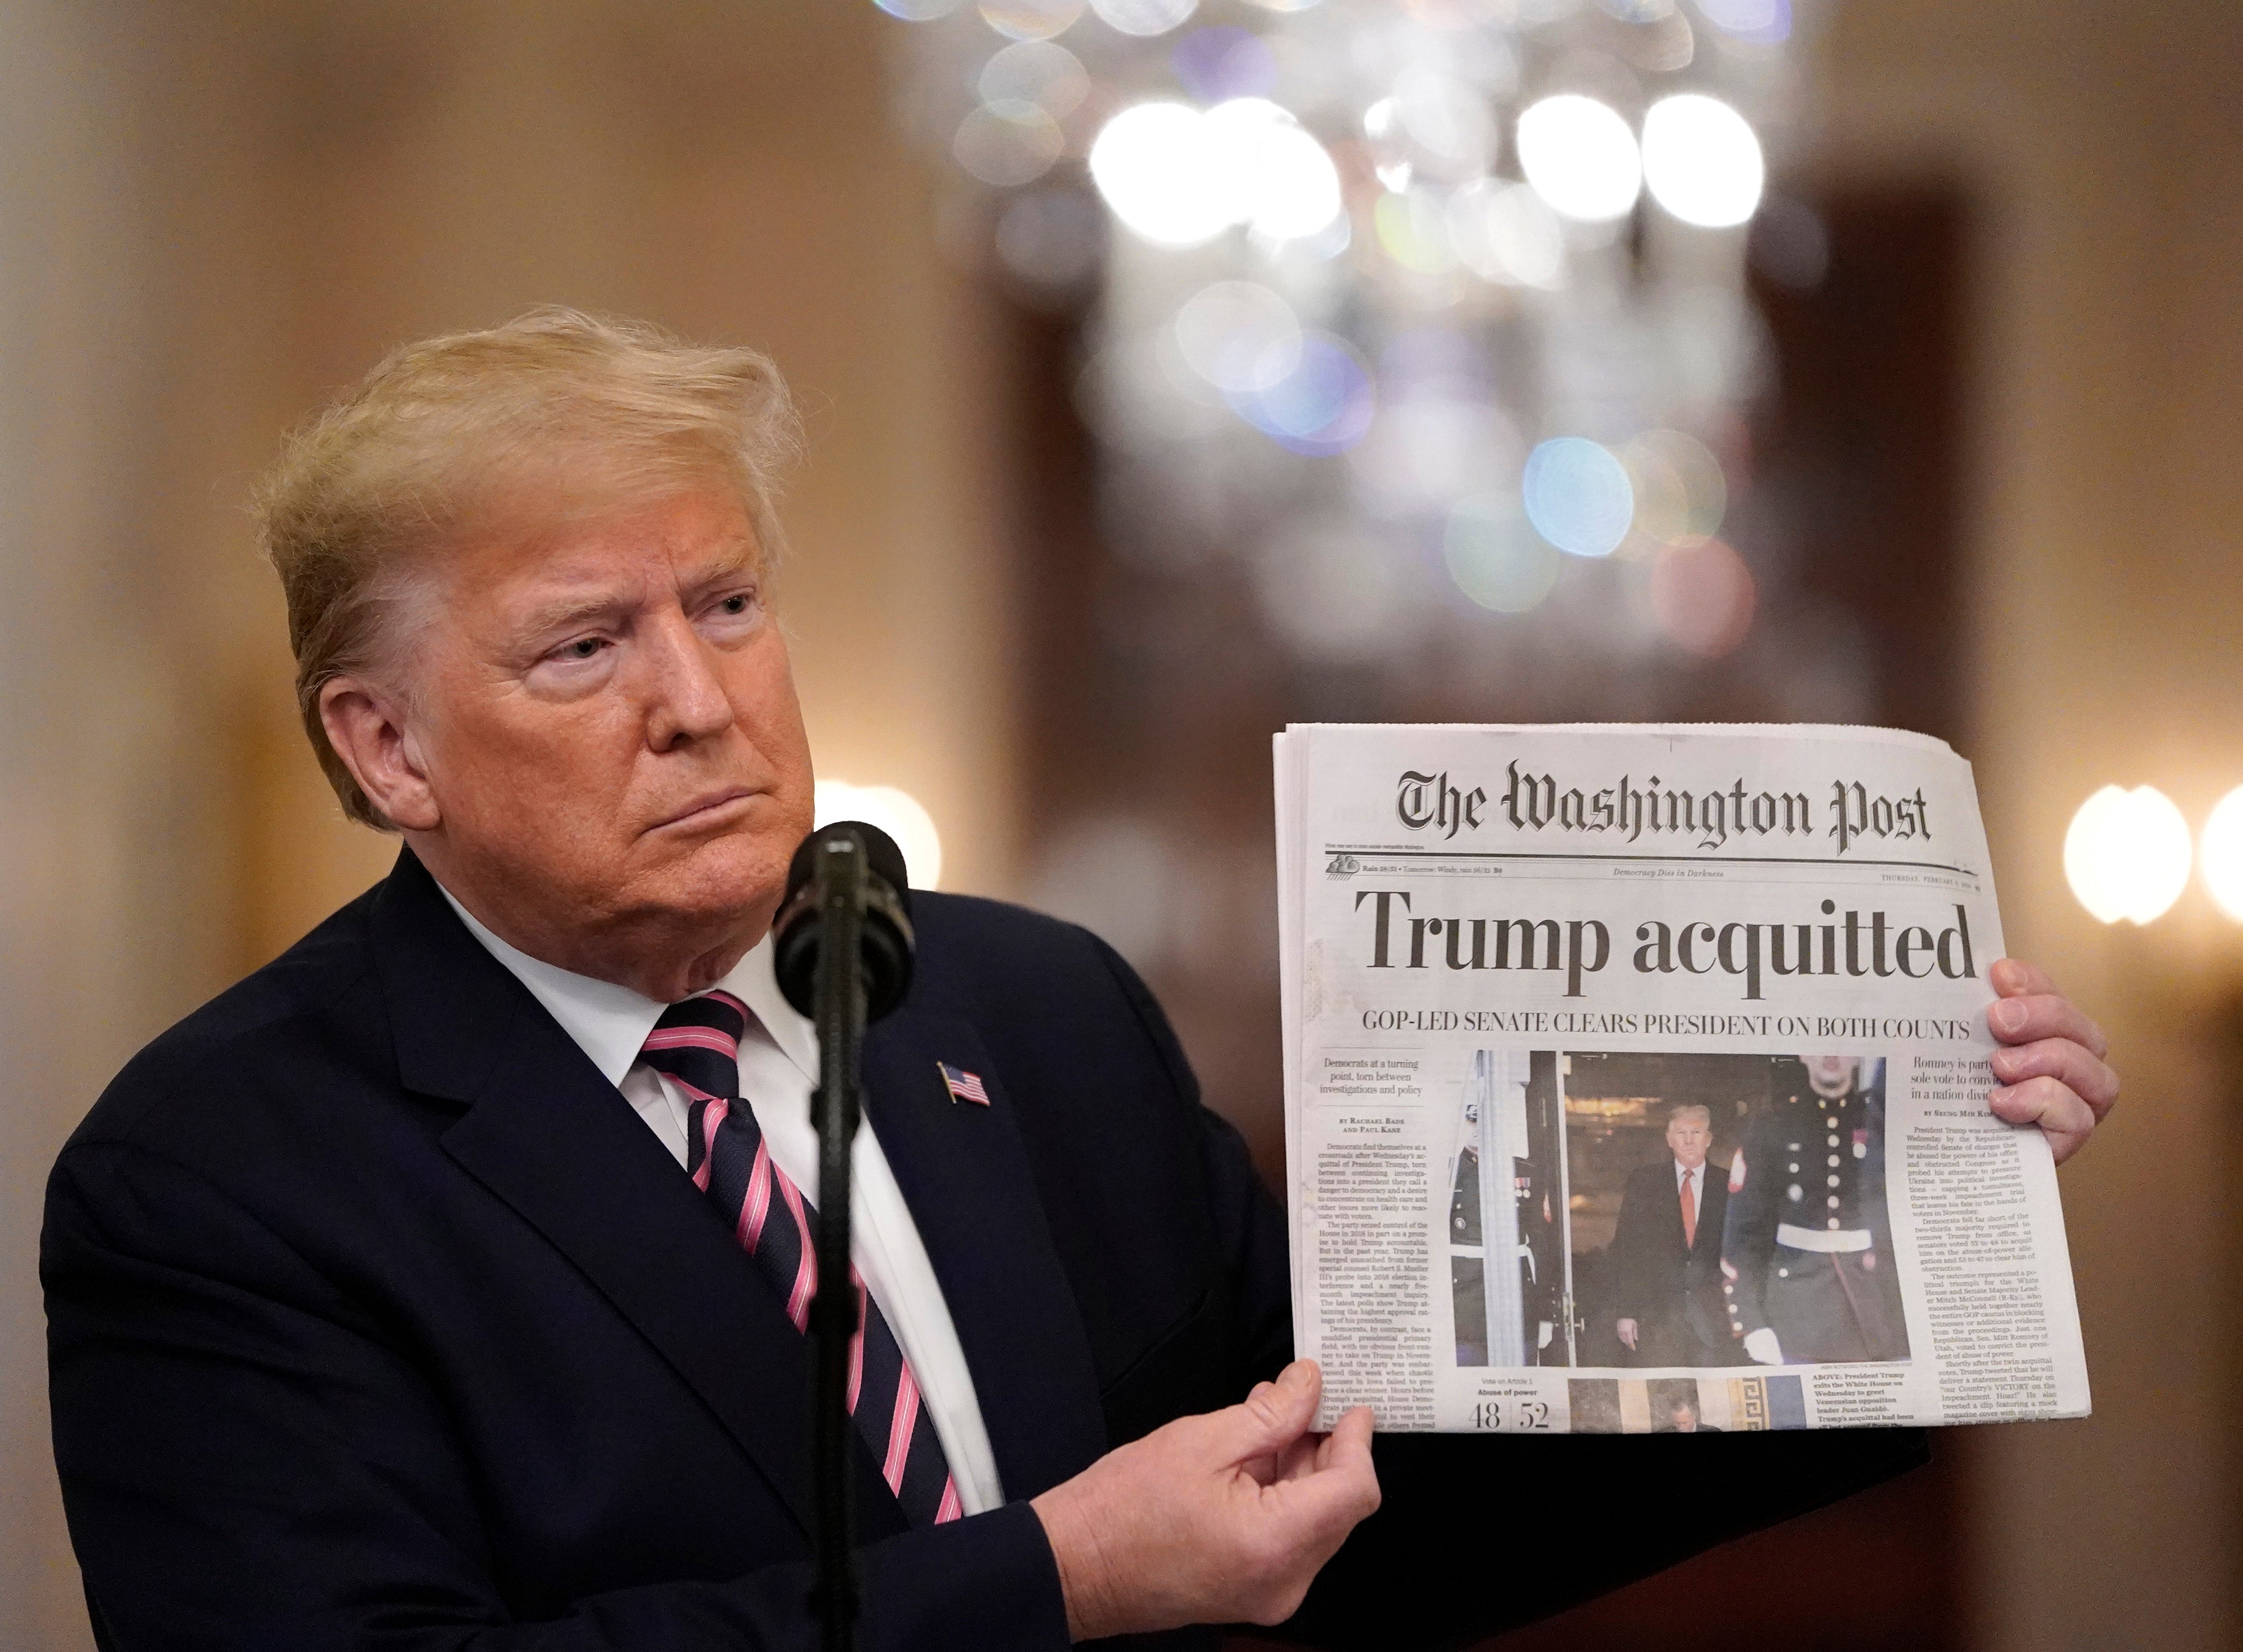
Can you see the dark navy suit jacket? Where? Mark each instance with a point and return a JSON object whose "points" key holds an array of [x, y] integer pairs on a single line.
{"points": [[379, 1321], [1666, 1281]]}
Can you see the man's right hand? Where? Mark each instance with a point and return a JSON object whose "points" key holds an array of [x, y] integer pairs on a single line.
{"points": [[1628, 1329], [1221, 1519]]}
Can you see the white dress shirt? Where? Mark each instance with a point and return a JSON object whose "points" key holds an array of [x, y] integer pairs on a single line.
{"points": [[778, 1069]]}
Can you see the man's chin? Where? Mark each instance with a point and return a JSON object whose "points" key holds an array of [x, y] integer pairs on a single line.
{"points": [[739, 875]]}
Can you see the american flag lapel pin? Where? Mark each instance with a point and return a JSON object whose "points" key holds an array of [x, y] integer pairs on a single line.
{"points": [[962, 1085]]}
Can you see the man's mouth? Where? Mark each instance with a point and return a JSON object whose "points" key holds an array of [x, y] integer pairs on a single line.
{"points": [[710, 808]]}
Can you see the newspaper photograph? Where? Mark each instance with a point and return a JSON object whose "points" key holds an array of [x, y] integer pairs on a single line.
{"points": [[1636, 1079]]}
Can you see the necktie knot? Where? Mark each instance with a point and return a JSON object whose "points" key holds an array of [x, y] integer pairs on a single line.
{"points": [[697, 1043]]}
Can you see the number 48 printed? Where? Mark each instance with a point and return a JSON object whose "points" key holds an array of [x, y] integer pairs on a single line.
{"points": [[1523, 1414]]}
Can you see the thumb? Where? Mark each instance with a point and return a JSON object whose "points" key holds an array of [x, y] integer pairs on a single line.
{"points": [[1273, 1416]]}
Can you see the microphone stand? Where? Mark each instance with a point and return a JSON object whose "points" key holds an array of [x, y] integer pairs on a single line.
{"points": [[839, 894]]}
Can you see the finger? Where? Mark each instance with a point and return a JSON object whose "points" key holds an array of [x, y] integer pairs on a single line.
{"points": [[1272, 1417], [2064, 1118], [2068, 1063], [2019, 1020], [1344, 1486], [1351, 1437], [1264, 1470], [2015, 978]]}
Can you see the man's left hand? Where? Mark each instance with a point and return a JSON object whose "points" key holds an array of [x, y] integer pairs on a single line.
{"points": [[2050, 1064]]}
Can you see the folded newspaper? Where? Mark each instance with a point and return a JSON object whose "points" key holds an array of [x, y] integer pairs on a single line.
{"points": [[1636, 1080]]}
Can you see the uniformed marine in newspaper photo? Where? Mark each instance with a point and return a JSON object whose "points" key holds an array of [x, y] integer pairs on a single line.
{"points": [[1806, 1260]]}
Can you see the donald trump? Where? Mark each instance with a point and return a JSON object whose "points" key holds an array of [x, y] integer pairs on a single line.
{"points": [[392, 1305]]}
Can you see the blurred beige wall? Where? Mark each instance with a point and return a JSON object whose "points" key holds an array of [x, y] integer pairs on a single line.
{"points": [[2099, 142], [214, 216]]}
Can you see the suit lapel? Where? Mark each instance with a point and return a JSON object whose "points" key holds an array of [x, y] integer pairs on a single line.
{"points": [[1670, 1202], [554, 1140], [964, 1173]]}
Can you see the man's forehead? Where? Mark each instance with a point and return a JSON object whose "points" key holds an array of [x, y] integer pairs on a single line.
{"points": [[679, 541]]}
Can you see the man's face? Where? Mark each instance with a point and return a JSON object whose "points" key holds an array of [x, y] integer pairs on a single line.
{"points": [[1832, 1074], [608, 724], [1688, 1138], [1685, 1419]]}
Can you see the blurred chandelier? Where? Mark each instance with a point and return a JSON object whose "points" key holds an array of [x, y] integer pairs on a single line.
{"points": [[1416, 307]]}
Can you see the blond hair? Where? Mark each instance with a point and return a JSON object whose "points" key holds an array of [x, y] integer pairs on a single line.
{"points": [[519, 427]]}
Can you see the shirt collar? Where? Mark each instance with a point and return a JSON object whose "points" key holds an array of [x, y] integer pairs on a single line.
{"points": [[610, 1024]]}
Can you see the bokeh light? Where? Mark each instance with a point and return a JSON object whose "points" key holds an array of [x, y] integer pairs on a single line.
{"points": [[1219, 63], [2221, 853], [1430, 449], [1031, 19], [1007, 144], [1703, 598], [1322, 408], [1041, 72], [1578, 495], [1283, 185], [1506, 233], [1495, 555], [2126, 855], [1681, 495], [1150, 164], [1144, 16], [1580, 157], [1701, 160], [1446, 120], [1762, 21], [1260, 198], [1240, 337], [896, 813], [1178, 176], [1413, 231]]}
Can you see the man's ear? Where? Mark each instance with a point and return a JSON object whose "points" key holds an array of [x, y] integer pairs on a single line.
{"points": [[366, 725]]}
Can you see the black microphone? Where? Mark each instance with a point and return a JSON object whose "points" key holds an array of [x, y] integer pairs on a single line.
{"points": [[887, 939], [846, 889]]}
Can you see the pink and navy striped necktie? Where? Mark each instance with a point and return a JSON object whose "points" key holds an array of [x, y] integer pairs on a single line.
{"points": [[698, 1044]]}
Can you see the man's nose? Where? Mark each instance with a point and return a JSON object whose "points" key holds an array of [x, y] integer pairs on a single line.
{"points": [[685, 698]]}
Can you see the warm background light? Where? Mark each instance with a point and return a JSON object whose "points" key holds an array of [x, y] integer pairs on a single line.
{"points": [[1701, 160], [1580, 157], [2126, 854], [2221, 853], [1178, 176], [896, 813]]}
